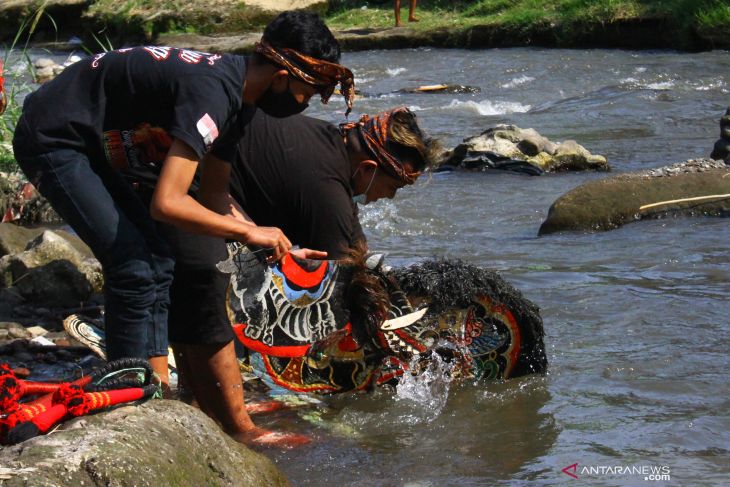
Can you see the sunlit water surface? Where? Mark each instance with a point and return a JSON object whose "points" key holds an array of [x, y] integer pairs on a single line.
{"points": [[636, 319]]}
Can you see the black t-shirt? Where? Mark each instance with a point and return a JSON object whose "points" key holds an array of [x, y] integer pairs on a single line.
{"points": [[294, 173], [127, 106]]}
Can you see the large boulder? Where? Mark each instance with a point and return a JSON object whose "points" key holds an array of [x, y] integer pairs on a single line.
{"points": [[52, 271], [694, 187], [524, 150], [158, 443]]}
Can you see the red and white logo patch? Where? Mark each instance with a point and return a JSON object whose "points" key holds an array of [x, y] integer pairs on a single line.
{"points": [[207, 129]]}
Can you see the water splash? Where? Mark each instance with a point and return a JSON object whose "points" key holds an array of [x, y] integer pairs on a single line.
{"points": [[428, 388], [396, 71], [488, 107]]}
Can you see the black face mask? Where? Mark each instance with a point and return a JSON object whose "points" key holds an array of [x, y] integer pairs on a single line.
{"points": [[280, 105]]}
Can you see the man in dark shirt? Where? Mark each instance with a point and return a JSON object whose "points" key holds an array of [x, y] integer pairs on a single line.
{"points": [[304, 175], [155, 112]]}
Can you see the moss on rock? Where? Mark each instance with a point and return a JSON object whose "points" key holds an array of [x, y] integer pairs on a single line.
{"points": [[613, 202], [158, 443]]}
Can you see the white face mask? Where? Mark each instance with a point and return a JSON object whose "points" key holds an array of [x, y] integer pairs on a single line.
{"points": [[361, 199]]}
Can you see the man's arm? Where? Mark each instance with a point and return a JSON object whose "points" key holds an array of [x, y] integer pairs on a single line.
{"points": [[214, 192], [171, 202]]}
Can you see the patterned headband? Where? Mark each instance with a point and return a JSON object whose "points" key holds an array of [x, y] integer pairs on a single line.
{"points": [[322, 74], [374, 132]]}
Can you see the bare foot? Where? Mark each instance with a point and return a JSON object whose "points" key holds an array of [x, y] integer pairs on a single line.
{"points": [[264, 407], [264, 437], [398, 24], [412, 19], [282, 440]]}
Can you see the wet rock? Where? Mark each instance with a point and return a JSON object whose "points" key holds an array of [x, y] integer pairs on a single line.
{"points": [[4, 334], [157, 443], [52, 271], [513, 144], [721, 150], [692, 188], [14, 238]]}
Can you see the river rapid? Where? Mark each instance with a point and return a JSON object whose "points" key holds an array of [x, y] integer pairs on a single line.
{"points": [[637, 320]]}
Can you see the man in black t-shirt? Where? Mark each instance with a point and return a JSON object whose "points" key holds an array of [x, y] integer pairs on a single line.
{"points": [[305, 175], [154, 113]]}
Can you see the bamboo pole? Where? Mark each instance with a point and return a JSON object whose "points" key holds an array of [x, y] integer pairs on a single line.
{"points": [[683, 200]]}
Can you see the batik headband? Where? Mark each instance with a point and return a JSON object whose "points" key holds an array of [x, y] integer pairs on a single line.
{"points": [[322, 74], [374, 133]]}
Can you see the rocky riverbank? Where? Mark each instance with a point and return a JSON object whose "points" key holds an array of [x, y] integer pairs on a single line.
{"points": [[45, 275]]}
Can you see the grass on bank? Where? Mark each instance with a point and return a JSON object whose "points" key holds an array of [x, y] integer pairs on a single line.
{"points": [[17, 86], [701, 15]]}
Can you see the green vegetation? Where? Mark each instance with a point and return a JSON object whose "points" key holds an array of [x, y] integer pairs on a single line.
{"points": [[16, 87], [567, 18], [147, 18], [690, 24]]}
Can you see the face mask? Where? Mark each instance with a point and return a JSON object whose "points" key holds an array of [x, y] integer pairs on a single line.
{"points": [[361, 199], [280, 105]]}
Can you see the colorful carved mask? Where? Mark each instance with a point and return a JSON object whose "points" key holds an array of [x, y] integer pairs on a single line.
{"points": [[308, 326]]}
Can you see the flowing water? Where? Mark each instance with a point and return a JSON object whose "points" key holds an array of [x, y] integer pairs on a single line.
{"points": [[636, 319]]}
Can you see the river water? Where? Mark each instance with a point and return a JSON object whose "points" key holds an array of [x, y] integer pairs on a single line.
{"points": [[636, 319]]}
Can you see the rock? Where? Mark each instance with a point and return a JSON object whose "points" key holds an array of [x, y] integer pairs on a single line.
{"points": [[43, 62], [4, 334], [52, 272], [161, 442], [14, 238], [527, 145], [36, 331], [15, 330], [21, 372], [23, 357], [612, 202], [721, 150]]}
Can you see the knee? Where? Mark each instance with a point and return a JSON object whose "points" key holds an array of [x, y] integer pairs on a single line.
{"points": [[131, 278]]}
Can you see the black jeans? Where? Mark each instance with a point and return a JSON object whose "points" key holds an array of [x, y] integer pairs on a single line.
{"points": [[106, 213]]}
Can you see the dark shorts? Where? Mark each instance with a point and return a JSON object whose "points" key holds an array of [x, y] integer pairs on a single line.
{"points": [[198, 313]]}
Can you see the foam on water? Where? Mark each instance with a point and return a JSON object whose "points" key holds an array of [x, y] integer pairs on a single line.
{"points": [[521, 80], [395, 71], [489, 107], [661, 85]]}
